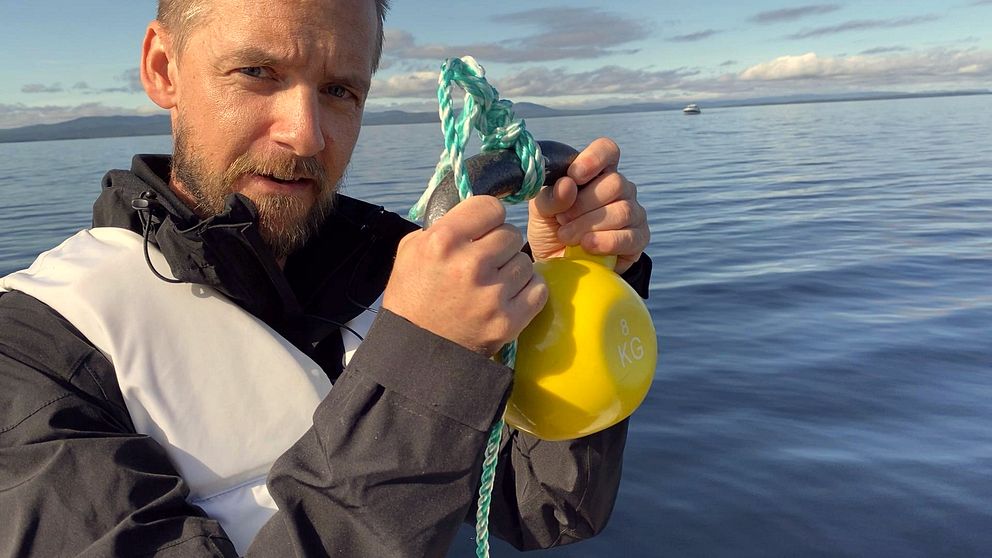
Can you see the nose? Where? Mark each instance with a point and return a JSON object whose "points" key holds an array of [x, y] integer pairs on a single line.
{"points": [[297, 125]]}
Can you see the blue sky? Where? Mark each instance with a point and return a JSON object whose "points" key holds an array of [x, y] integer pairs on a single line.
{"points": [[62, 59]]}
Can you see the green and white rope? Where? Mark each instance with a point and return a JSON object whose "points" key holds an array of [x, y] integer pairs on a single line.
{"points": [[493, 118], [508, 356]]}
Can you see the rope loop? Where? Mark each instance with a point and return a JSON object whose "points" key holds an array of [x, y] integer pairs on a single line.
{"points": [[493, 119]]}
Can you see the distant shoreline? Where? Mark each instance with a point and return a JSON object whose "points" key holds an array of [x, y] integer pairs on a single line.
{"points": [[93, 127]]}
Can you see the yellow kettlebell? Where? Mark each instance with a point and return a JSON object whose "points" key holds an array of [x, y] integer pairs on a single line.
{"points": [[588, 358]]}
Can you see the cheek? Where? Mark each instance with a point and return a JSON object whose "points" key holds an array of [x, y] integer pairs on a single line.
{"points": [[340, 136], [229, 126]]}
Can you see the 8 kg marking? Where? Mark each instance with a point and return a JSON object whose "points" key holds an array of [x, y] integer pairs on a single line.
{"points": [[630, 350]]}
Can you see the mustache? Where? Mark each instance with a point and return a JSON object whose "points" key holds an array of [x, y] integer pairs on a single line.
{"points": [[282, 166]]}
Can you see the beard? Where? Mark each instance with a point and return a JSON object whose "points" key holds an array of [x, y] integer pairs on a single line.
{"points": [[285, 221]]}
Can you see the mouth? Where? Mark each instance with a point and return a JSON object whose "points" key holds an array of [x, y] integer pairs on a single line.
{"points": [[285, 182]]}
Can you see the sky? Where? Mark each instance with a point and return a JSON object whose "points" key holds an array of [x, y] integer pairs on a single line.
{"points": [[62, 59]]}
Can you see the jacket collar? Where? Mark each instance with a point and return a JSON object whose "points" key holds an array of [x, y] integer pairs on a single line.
{"points": [[224, 251], [341, 270]]}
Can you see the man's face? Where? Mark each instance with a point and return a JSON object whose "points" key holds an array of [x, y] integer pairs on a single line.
{"points": [[269, 104]]}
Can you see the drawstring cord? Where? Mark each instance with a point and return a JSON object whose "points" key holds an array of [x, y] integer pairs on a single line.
{"points": [[144, 205]]}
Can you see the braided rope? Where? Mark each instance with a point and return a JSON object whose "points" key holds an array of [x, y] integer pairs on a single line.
{"points": [[508, 356], [482, 110]]}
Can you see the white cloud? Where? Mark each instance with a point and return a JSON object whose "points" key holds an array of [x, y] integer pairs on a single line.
{"points": [[938, 65], [892, 69], [544, 82], [415, 84]]}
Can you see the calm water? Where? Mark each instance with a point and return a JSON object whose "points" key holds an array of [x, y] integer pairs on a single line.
{"points": [[823, 299]]}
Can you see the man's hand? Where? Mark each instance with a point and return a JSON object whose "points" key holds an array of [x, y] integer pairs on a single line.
{"points": [[604, 217], [465, 278]]}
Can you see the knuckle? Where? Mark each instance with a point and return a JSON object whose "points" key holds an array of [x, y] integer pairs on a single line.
{"points": [[609, 243], [629, 188], [541, 292], [625, 211], [516, 235], [406, 240], [491, 205], [609, 149], [524, 267], [439, 241]]}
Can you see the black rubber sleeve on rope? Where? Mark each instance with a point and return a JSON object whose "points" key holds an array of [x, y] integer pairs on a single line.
{"points": [[497, 173]]}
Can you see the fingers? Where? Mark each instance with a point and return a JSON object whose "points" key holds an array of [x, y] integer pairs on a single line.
{"points": [[472, 218], [600, 192], [476, 224], [499, 245], [617, 215], [622, 243], [516, 274], [465, 279], [600, 156], [529, 301], [555, 199]]}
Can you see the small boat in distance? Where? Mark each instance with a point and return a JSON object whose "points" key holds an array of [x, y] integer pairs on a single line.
{"points": [[691, 109]]}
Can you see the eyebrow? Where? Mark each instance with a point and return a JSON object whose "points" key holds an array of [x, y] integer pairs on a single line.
{"points": [[252, 56]]}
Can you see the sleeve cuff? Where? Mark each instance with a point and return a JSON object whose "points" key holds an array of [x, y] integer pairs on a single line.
{"points": [[432, 371], [639, 275]]}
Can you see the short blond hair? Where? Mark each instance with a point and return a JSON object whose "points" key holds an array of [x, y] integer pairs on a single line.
{"points": [[180, 17]]}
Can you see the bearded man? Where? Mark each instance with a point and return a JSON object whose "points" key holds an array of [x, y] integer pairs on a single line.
{"points": [[166, 376]]}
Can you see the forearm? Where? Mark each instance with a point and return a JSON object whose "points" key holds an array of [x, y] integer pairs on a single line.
{"points": [[392, 463]]}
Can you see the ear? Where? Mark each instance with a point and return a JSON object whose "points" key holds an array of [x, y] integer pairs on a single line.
{"points": [[158, 66]]}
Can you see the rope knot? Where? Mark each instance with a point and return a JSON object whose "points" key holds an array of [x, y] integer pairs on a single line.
{"points": [[496, 124]]}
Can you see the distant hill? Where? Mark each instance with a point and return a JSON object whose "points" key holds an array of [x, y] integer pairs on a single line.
{"points": [[91, 127], [124, 126]]}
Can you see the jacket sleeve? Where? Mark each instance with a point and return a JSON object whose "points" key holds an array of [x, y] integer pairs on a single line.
{"points": [[399, 441], [393, 459]]}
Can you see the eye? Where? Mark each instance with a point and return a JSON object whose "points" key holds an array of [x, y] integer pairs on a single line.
{"points": [[257, 72], [337, 91]]}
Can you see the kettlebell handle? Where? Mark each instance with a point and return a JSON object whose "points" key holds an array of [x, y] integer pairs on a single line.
{"points": [[497, 173]]}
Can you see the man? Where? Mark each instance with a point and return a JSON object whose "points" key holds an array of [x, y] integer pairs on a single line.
{"points": [[165, 377]]}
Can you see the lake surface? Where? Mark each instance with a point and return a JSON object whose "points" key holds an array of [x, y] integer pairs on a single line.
{"points": [[823, 299]]}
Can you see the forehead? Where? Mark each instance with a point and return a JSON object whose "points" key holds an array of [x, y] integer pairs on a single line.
{"points": [[336, 31]]}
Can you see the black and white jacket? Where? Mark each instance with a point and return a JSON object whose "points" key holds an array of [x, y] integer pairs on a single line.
{"points": [[139, 417]]}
